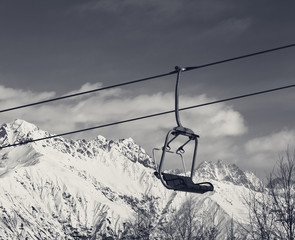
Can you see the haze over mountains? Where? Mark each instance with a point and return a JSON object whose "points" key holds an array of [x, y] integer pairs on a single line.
{"points": [[70, 189]]}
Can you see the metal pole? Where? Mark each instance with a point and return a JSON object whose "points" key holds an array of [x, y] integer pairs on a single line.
{"points": [[179, 70]]}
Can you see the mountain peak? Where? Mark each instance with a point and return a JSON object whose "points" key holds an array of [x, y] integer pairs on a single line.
{"points": [[20, 125], [18, 131], [220, 171]]}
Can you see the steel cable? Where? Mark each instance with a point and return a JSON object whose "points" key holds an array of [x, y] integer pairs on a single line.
{"points": [[150, 116], [148, 78]]}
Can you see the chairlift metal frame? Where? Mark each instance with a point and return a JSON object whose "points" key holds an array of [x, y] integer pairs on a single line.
{"points": [[174, 181]]}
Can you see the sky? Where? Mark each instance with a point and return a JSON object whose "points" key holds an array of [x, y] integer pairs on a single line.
{"points": [[54, 48]]}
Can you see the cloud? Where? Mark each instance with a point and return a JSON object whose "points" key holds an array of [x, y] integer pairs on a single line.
{"points": [[10, 96], [221, 128], [271, 144], [263, 152], [218, 124]]}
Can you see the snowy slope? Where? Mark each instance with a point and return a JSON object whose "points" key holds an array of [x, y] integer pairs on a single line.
{"points": [[66, 189]]}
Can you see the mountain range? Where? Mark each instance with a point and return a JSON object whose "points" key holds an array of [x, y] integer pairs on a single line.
{"points": [[76, 189]]}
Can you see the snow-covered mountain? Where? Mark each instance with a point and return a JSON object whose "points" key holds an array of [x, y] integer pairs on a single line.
{"points": [[78, 189]]}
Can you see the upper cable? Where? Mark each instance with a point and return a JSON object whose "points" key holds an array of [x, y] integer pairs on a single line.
{"points": [[149, 78]]}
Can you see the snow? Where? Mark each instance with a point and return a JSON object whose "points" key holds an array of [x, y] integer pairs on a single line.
{"points": [[52, 188]]}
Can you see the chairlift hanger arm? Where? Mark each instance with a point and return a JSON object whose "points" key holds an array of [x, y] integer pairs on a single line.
{"points": [[178, 70]]}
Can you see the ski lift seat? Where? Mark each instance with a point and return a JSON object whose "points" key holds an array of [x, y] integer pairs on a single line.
{"points": [[185, 184]]}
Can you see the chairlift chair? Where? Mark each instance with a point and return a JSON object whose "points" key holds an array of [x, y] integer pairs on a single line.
{"points": [[175, 181]]}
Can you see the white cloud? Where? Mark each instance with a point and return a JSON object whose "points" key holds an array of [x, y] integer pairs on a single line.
{"points": [[273, 144], [217, 124], [10, 97], [263, 153]]}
